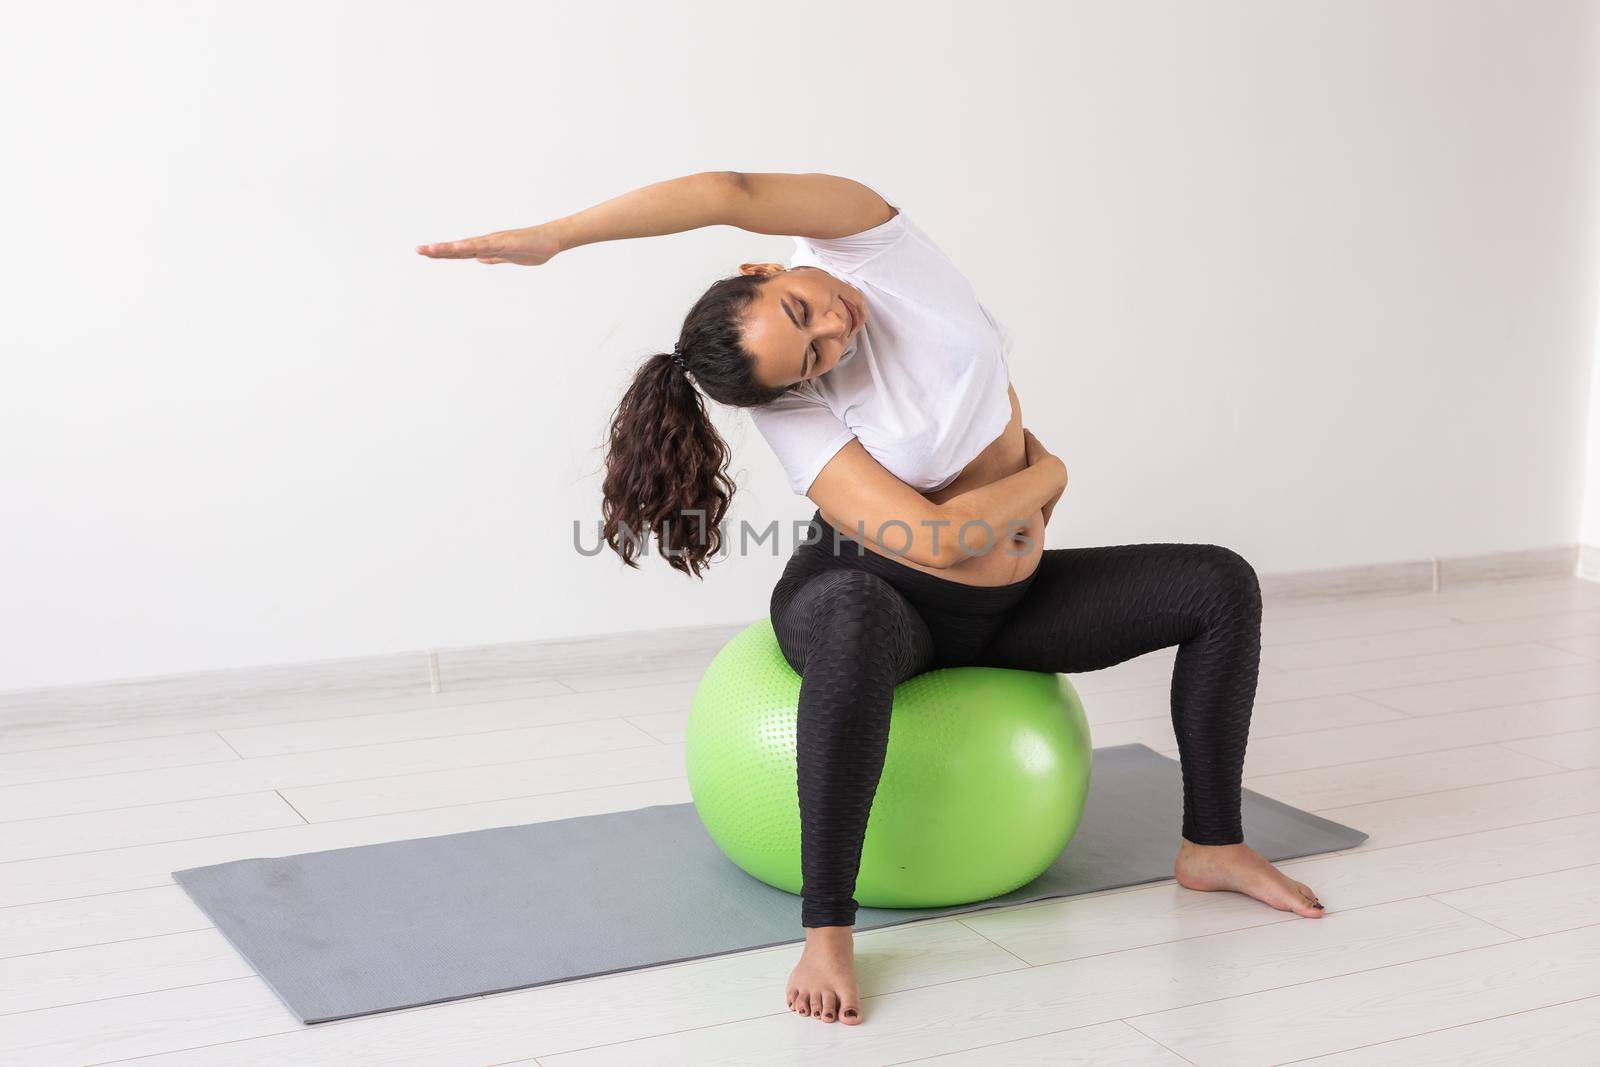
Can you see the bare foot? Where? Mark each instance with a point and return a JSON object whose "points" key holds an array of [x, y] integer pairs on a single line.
{"points": [[1242, 869], [823, 983]]}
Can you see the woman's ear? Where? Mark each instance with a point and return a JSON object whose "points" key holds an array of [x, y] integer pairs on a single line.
{"points": [[767, 269]]}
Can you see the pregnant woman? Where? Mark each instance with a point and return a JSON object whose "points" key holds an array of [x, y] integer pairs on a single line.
{"points": [[880, 380]]}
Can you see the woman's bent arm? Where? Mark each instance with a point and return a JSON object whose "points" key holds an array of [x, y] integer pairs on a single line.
{"points": [[854, 491]]}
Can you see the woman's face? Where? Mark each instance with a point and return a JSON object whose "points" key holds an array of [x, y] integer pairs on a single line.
{"points": [[801, 323]]}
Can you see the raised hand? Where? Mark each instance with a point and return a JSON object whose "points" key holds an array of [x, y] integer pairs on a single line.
{"points": [[528, 247]]}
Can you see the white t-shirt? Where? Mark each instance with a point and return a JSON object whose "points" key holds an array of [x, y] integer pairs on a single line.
{"points": [[924, 386]]}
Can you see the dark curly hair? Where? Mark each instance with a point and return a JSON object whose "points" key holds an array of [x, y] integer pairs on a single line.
{"points": [[666, 465]]}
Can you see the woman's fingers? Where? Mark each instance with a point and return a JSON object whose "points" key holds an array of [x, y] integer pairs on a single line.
{"points": [[471, 248], [529, 247], [1031, 449]]}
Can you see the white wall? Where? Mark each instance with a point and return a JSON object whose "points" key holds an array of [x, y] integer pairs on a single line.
{"points": [[1589, 531], [1315, 280]]}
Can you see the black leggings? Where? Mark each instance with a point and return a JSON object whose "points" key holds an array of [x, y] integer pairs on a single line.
{"points": [[854, 624]]}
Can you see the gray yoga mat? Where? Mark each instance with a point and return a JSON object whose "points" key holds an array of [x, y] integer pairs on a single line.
{"points": [[353, 931]]}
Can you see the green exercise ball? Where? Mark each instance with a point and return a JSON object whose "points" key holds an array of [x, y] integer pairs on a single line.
{"points": [[983, 783]]}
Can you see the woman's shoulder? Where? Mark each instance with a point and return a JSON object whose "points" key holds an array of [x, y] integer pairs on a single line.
{"points": [[854, 251]]}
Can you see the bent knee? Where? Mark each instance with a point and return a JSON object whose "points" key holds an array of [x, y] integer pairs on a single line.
{"points": [[843, 608], [1228, 576]]}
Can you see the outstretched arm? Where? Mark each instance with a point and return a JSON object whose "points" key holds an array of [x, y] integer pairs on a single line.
{"points": [[798, 205]]}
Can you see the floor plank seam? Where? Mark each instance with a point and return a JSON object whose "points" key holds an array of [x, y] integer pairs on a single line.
{"points": [[999, 1044], [624, 688], [381, 713], [1542, 642], [224, 740], [1384, 759], [1287, 917], [114, 741], [1427, 751], [1554, 772], [503, 800], [302, 1028], [113, 774], [143, 844], [1328, 813], [1365, 851], [91, 896], [270, 715], [1130, 1024], [132, 807], [251, 977], [1336, 608], [1462, 911], [1546, 642], [1342, 974], [1506, 746], [996, 944], [1439, 1030], [116, 941], [315, 722], [292, 808], [352, 781], [446, 737], [1367, 695], [328, 822]]}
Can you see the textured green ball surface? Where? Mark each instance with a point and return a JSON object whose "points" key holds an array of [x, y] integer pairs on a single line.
{"points": [[983, 783]]}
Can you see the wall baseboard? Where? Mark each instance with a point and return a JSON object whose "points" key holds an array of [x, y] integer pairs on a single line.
{"points": [[486, 672], [1371, 579], [1427, 575]]}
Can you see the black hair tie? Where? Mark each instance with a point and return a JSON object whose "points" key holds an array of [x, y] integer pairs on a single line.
{"points": [[677, 357]]}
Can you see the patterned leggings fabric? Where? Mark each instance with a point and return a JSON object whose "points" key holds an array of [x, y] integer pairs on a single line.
{"points": [[854, 624]]}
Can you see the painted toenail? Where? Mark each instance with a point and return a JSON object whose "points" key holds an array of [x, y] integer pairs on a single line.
{"points": [[1319, 907]]}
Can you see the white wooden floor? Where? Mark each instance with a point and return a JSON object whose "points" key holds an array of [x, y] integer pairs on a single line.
{"points": [[1461, 729]]}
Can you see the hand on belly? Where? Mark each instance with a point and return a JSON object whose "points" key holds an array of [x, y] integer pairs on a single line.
{"points": [[1012, 557]]}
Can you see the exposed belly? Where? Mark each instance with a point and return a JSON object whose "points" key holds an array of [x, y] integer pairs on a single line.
{"points": [[1009, 559]]}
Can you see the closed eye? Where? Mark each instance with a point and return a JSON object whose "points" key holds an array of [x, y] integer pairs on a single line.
{"points": [[811, 351]]}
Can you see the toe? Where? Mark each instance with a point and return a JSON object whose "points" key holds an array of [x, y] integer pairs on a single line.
{"points": [[1311, 897], [850, 1011], [1303, 907], [1283, 894], [830, 1006], [816, 1005]]}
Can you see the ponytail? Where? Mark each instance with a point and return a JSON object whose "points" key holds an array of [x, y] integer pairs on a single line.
{"points": [[666, 465], [666, 471]]}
